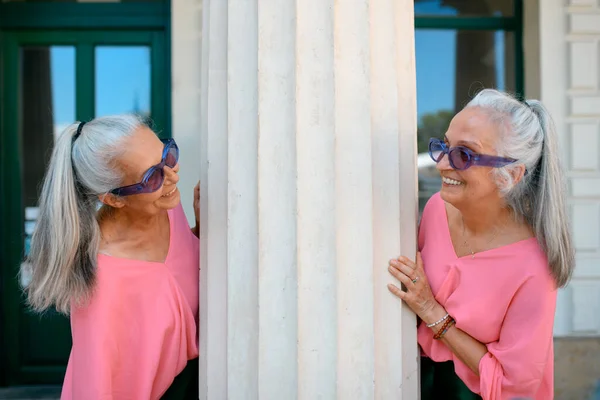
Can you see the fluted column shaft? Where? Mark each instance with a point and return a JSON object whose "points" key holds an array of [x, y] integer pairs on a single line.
{"points": [[308, 188]]}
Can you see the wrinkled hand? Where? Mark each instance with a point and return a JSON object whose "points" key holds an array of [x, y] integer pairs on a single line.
{"points": [[418, 295]]}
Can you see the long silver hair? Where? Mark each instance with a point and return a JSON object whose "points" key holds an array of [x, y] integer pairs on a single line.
{"points": [[528, 134], [61, 265]]}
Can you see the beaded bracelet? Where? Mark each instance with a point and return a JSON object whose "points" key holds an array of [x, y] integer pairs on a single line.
{"points": [[438, 321], [444, 326], [447, 325]]}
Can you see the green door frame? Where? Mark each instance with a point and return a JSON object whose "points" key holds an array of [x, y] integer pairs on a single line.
{"points": [[54, 25], [151, 15], [84, 43], [146, 15]]}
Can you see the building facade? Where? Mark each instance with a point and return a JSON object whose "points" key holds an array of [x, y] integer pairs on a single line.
{"points": [[61, 62], [67, 61]]}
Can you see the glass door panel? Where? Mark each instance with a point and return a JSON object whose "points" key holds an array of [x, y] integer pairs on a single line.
{"points": [[123, 81], [452, 65], [47, 93], [49, 80]]}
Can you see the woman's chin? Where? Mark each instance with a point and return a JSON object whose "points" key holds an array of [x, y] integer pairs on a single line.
{"points": [[170, 201], [451, 193]]}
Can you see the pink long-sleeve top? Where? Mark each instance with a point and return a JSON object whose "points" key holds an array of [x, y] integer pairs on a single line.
{"points": [[505, 298], [139, 329]]}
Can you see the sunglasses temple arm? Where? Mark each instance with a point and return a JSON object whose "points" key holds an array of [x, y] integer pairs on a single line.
{"points": [[492, 161]]}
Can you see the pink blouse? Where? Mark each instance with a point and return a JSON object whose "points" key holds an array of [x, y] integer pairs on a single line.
{"points": [[140, 327], [504, 298]]}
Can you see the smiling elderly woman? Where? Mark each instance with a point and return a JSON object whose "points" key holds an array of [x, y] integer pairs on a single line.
{"points": [[128, 273], [494, 246]]}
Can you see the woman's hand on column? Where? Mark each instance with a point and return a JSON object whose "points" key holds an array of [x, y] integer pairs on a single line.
{"points": [[196, 229], [418, 295]]}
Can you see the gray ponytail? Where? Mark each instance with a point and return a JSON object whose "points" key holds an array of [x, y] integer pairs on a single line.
{"points": [[64, 245], [528, 134]]}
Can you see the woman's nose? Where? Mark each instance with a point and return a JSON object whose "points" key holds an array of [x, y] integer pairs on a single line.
{"points": [[443, 164], [171, 173]]}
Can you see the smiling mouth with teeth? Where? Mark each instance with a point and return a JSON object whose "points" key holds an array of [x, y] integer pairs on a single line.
{"points": [[170, 193], [452, 182]]}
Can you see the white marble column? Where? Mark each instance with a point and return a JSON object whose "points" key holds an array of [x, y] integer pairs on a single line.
{"points": [[308, 169]]}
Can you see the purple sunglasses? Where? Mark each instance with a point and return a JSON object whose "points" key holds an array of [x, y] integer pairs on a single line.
{"points": [[461, 158], [155, 176]]}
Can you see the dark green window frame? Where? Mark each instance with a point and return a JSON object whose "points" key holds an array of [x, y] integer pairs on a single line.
{"points": [[146, 23], [49, 15], [133, 17], [513, 23]]}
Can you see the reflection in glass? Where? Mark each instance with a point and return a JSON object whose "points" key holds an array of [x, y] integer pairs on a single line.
{"points": [[464, 8], [47, 106], [452, 66], [122, 80]]}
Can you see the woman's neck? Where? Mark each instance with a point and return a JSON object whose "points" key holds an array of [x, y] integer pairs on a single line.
{"points": [[120, 224], [481, 218]]}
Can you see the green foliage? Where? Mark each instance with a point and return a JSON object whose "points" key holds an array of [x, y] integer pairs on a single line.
{"points": [[432, 125]]}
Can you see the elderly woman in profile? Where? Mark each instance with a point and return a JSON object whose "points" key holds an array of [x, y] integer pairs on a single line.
{"points": [[494, 246], [127, 274]]}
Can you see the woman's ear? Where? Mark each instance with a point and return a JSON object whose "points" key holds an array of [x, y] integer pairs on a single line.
{"points": [[111, 200], [517, 173]]}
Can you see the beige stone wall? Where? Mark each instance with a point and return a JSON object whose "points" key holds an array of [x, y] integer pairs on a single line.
{"points": [[577, 368]]}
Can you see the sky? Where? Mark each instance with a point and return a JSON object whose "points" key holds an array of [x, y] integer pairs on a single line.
{"points": [[123, 73]]}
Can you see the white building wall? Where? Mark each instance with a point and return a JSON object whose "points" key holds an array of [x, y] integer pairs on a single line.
{"points": [[569, 85]]}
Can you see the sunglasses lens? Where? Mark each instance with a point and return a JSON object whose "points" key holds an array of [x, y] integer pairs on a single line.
{"points": [[459, 158], [155, 180], [172, 157], [435, 151]]}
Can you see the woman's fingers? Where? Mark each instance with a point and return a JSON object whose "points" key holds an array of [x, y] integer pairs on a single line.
{"points": [[406, 270], [197, 192], [419, 265], [401, 276], [406, 261], [197, 203], [396, 291]]}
